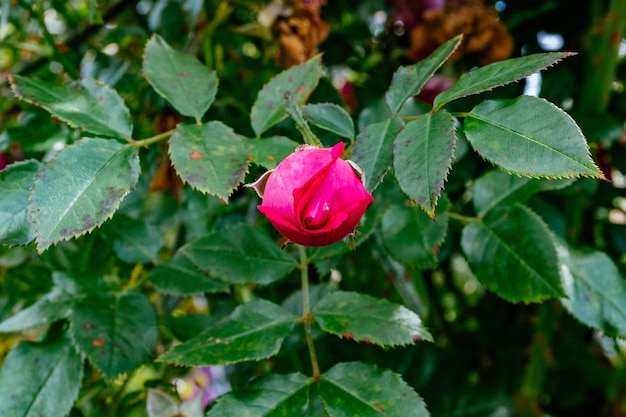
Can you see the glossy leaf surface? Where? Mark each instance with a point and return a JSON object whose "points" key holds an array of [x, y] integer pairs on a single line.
{"points": [[15, 182]]}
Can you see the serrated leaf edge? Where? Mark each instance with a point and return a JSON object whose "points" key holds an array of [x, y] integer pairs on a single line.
{"points": [[31, 213]]}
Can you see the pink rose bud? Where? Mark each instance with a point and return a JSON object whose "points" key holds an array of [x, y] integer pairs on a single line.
{"points": [[313, 197]]}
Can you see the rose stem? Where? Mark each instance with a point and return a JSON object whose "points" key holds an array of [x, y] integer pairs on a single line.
{"points": [[307, 318]]}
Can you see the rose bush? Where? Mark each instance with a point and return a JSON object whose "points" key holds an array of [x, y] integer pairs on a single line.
{"points": [[313, 197]]}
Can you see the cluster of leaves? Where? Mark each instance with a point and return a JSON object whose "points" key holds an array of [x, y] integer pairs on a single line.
{"points": [[121, 258]]}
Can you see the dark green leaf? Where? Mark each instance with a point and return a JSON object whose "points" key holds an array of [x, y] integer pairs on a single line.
{"points": [[367, 319], [594, 289], [51, 307], [86, 104], [134, 241], [422, 157], [271, 396], [179, 78], [116, 333], [498, 74], [15, 182], [373, 150], [531, 137], [512, 254], [409, 81], [497, 188], [359, 390], [238, 255], [81, 188], [268, 152], [40, 380], [298, 81], [411, 236], [210, 157], [253, 331], [180, 276], [331, 117]]}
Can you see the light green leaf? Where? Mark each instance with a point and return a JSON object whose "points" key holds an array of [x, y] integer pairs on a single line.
{"points": [[595, 291], [497, 188], [179, 78], [360, 317], [15, 182], [40, 379], [529, 136], [330, 117], [51, 307], [273, 395], [358, 390], [411, 236], [210, 157], [116, 333], [373, 150], [498, 74], [86, 104], [239, 255], [180, 276], [253, 331], [81, 188], [422, 157], [408, 81], [512, 254], [268, 152], [134, 241], [298, 82]]}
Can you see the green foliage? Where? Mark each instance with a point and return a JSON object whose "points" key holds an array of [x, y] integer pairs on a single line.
{"points": [[133, 251]]}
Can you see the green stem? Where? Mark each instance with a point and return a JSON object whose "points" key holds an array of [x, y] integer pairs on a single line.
{"points": [[462, 219], [307, 318], [154, 139], [296, 114], [540, 357], [605, 35]]}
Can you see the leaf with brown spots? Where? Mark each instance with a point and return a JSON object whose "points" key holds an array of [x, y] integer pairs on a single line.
{"points": [[362, 318], [80, 188], [116, 333]]}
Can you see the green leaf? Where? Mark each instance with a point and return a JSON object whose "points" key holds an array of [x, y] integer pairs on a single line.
{"points": [[40, 379], [512, 254], [210, 157], [529, 136], [134, 241], [411, 236], [595, 291], [367, 319], [498, 74], [330, 117], [87, 104], [15, 182], [408, 81], [180, 276], [298, 81], [240, 255], [373, 150], [179, 78], [253, 331], [51, 307], [268, 152], [116, 333], [497, 188], [358, 390], [81, 188], [422, 157], [271, 396]]}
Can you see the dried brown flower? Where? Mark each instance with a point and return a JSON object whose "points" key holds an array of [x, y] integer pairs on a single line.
{"points": [[485, 36]]}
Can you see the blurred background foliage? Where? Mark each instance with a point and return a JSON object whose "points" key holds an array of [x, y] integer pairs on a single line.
{"points": [[490, 357]]}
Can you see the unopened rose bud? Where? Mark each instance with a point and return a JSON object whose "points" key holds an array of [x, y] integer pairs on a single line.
{"points": [[313, 197]]}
